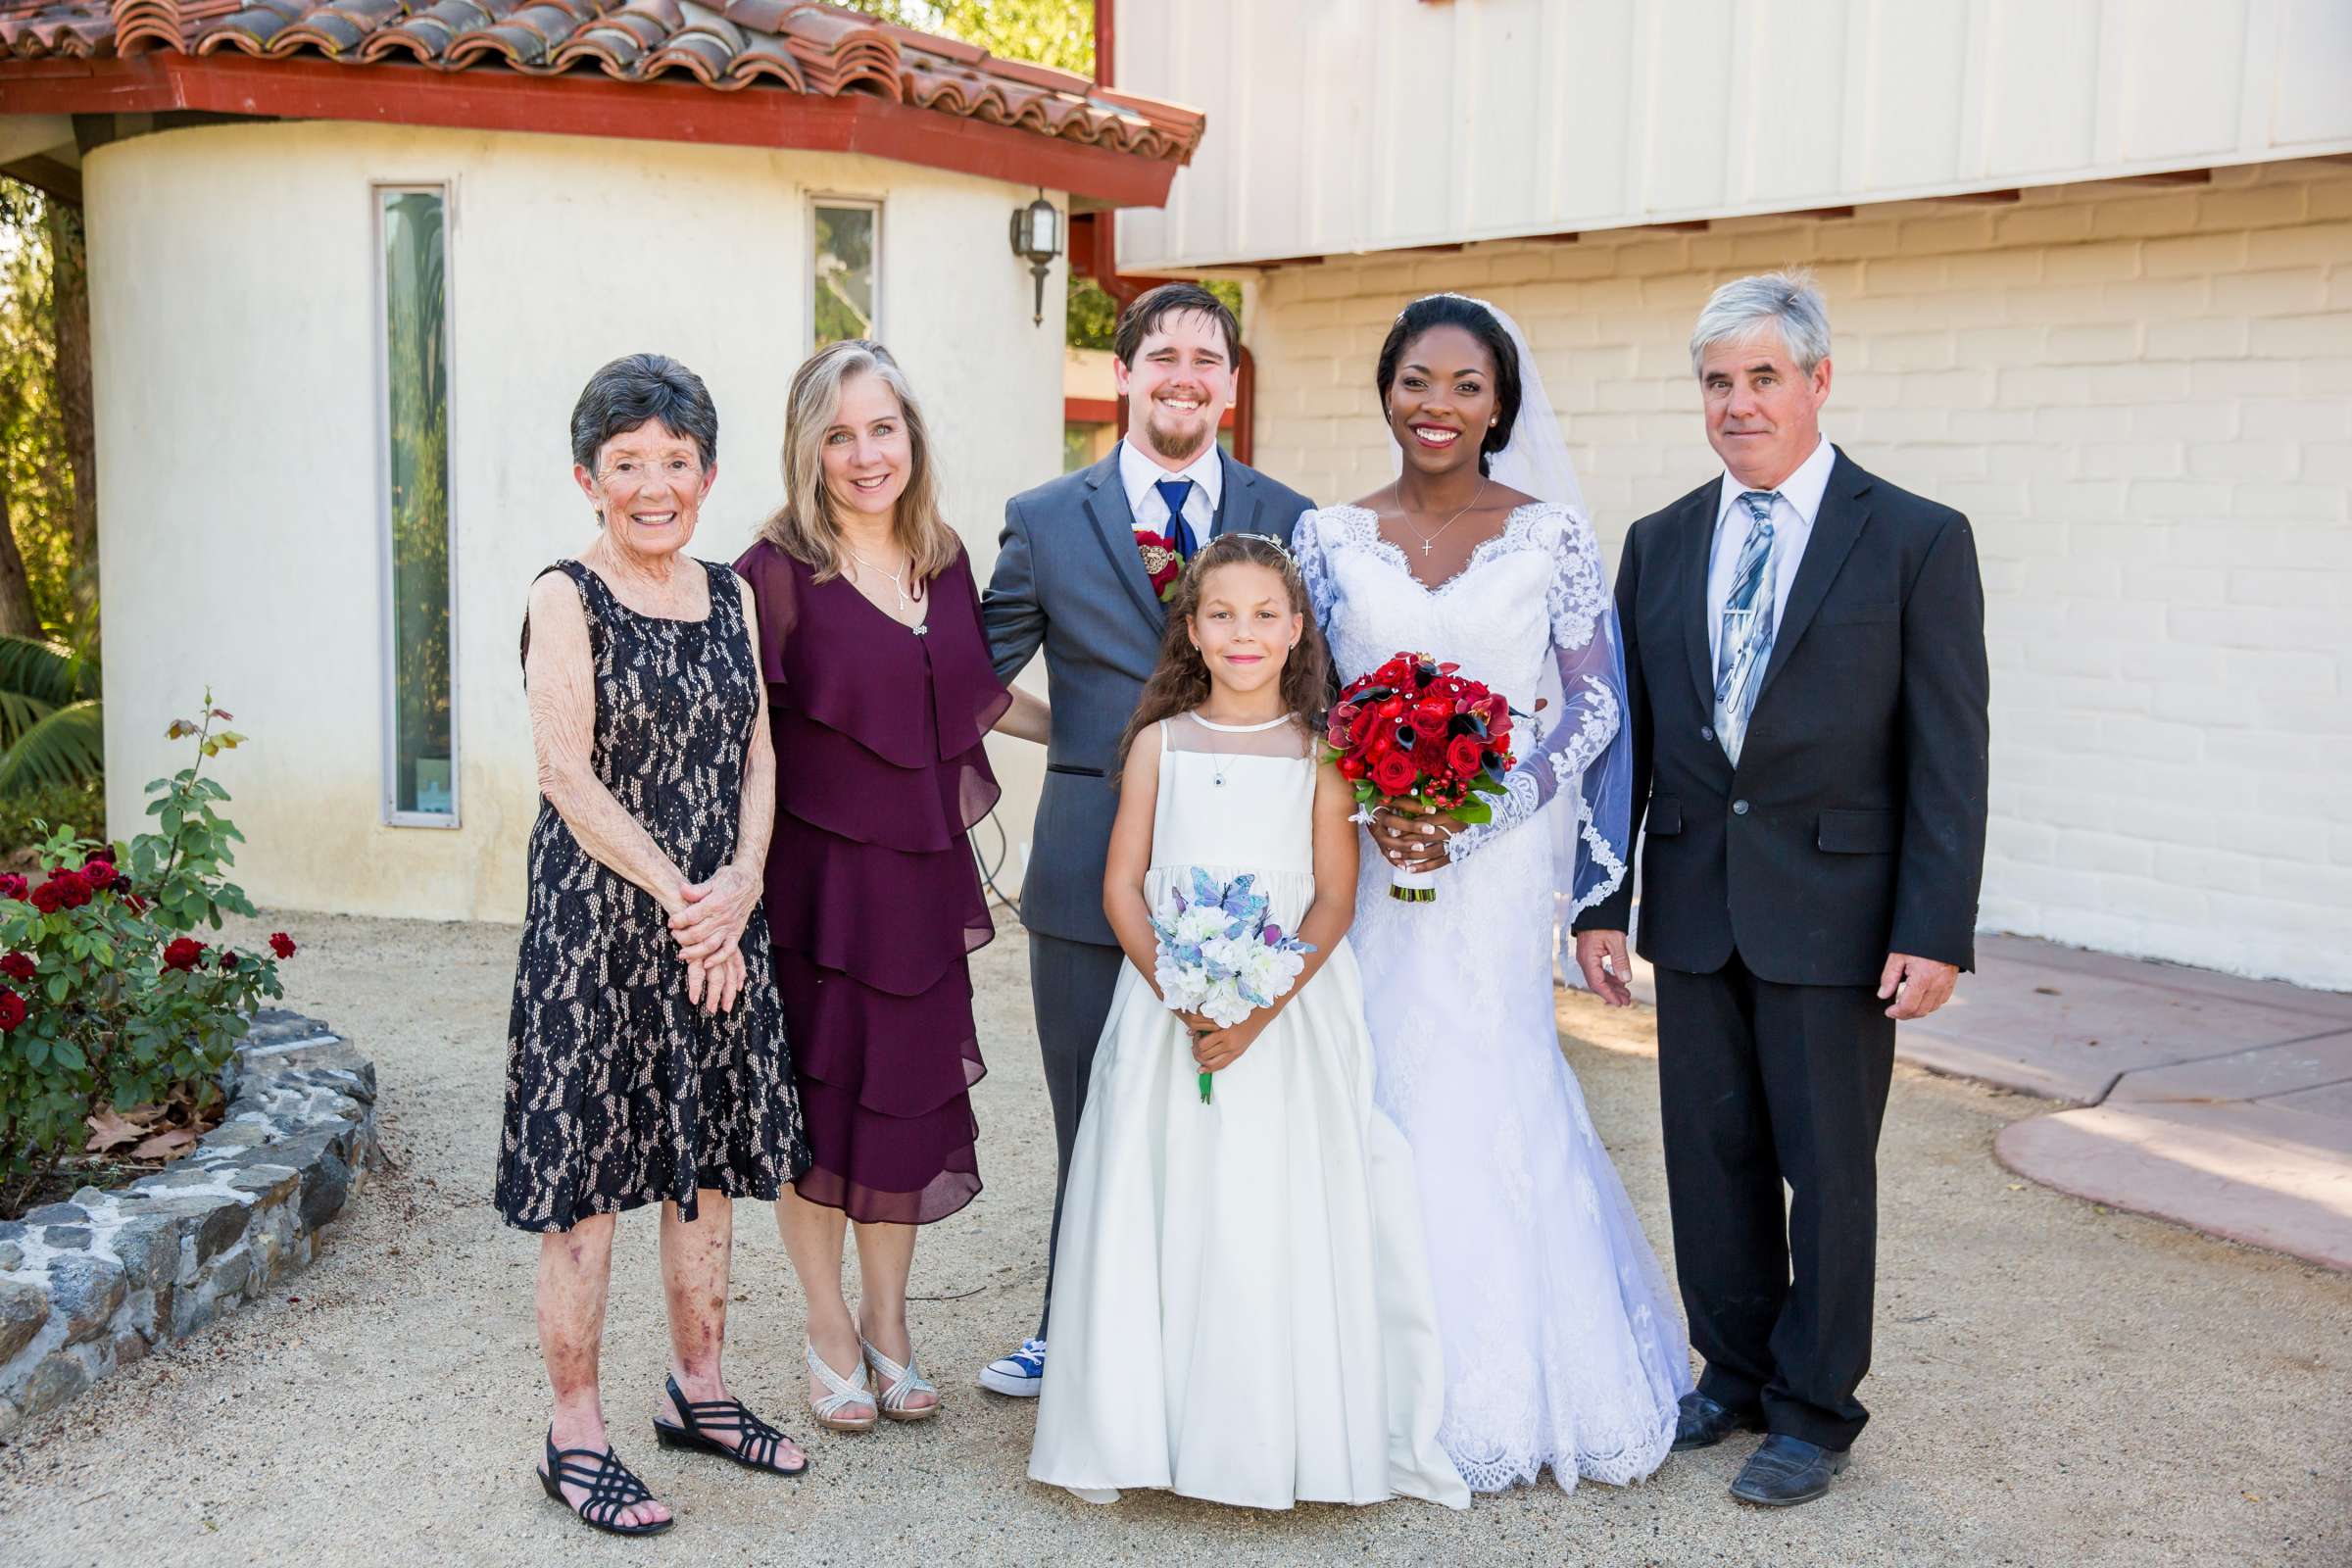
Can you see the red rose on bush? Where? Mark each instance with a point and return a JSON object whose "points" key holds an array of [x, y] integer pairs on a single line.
{"points": [[12, 1010], [1465, 756], [228, 961], [282, 944], [18, 966], [1394, 775], [73, 891], [48, 897], [132, 901], [99, 874], [13, 886], [183, 952]]}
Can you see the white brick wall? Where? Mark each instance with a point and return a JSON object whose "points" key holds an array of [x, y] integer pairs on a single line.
{"points": [[2142, 397]]}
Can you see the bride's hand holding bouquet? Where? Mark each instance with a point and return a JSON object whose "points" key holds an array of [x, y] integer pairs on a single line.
{"points": [[1414, 738]]}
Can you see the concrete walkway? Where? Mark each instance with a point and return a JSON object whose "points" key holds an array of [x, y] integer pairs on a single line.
{"points": [[2221, 1104]]}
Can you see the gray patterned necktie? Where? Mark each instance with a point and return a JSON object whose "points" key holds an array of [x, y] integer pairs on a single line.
{"points": [[1745, 644]]}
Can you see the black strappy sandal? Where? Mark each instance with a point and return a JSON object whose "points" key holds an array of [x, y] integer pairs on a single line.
{"points": [[760, 1439], [611, 1487]]}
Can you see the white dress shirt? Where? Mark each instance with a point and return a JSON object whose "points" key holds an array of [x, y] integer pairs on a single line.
{"points": [[1139, 476], [1793, 510]]}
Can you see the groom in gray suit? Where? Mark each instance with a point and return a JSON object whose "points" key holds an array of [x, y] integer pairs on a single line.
{"points": [[1071, 578]]}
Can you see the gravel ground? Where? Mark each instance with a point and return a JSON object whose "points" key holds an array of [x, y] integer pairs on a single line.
{"points": [[2055, 1383]]}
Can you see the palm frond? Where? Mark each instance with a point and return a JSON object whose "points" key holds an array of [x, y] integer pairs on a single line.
{"points": [[43, 670], [64, 747], [19, 713]]}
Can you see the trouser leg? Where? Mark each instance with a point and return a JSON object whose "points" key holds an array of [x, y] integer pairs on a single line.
{"points": [[1828, 1059], [1070, 985], [1723, 1178]]}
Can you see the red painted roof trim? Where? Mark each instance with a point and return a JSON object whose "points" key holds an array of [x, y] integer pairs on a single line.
{"points": [[580, 106]]}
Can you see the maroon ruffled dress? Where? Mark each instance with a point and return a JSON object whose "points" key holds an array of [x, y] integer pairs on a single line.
{"points": [[873, 897]]}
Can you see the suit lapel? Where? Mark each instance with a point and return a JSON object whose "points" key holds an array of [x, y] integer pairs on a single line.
{"points": [[1114, 529], [1238, 505], [1835, 527], [1697, 531]]}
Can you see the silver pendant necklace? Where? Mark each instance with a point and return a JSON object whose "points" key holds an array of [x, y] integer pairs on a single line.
{"points": [[1429, 540], [906, 603]]}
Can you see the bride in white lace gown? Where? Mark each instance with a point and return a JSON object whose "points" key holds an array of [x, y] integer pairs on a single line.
{"points": [[1562, 1343]]}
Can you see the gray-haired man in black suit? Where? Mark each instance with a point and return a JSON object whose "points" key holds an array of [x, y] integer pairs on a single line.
{"points": [[1070, 578], [1804, 648]]}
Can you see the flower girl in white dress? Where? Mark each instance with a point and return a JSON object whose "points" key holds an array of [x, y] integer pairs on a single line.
{"points": [[1242, 1311]]}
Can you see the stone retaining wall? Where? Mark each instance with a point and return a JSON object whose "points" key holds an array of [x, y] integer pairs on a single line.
{"points": [[92, 1283]]}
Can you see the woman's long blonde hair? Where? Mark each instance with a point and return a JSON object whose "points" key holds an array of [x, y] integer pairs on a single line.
{"points": [[804, 526]]}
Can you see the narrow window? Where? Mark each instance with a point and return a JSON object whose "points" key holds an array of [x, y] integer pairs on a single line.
{"points": [[422, 778], [846, 240]]}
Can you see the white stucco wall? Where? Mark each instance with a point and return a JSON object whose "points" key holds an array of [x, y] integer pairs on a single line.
{"points": [[235, 347], [2142, 397]]}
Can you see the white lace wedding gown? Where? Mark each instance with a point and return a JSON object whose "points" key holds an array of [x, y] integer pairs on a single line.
{"points": [[1563, 1347], [1242, 1310]]}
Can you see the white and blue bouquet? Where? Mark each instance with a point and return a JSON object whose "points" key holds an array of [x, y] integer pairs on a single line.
{"points": [[1219, 956]]}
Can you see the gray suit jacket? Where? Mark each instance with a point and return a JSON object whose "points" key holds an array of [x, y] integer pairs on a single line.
{"points": [[1070, 579]]}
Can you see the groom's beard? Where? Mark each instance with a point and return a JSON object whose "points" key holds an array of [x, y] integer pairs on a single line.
{"points": [[1175, 447]]}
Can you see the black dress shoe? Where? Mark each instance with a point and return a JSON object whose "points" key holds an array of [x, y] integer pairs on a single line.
{"points": [[1703, 1423], [1787, 1471]]}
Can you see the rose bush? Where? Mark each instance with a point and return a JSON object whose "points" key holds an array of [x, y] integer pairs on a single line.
{"points": [[106, 1000]]}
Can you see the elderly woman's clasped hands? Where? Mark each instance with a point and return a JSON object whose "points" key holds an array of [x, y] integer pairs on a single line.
{"points": [[707, 922]]}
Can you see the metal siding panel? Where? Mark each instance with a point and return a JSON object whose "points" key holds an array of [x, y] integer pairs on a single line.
{"points": [[2040, 87], [1914, 94], [1785, 144], [2181, 77], [2313, 92], [1689, 112]]}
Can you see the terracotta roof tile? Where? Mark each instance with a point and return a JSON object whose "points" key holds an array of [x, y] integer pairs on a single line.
{"points": [[777, 46]]}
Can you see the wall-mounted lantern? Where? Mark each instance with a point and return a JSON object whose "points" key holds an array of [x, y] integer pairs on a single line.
{"points": [[1037, 240]]}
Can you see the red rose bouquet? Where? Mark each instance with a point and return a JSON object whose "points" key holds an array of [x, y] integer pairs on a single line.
{"points": [[1414, 732]]}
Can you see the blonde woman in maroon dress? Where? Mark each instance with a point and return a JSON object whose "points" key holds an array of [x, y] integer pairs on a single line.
{"points": [[880, 691]]}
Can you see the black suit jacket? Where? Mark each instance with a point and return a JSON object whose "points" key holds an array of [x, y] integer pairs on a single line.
{"points": [[1854, 824]]}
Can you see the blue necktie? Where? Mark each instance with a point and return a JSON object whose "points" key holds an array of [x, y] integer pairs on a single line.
{"points": [[1174, 492], [1745, 644]]}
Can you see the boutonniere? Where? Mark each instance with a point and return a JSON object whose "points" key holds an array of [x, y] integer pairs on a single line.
{"points": [[1162, 562]]}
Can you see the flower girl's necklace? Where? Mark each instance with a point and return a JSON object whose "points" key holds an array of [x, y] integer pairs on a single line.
{"points": [[906, 604]]}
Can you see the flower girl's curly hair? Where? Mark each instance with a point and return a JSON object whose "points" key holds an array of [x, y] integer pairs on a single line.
{"points": [[1180, 684]]}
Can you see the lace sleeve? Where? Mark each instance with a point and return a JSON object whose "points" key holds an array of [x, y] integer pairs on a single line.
{"points": [[1591, 711], [1314, 568]]}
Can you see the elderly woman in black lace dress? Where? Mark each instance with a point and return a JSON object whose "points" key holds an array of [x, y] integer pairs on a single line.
{"points": [[646, 1060]]}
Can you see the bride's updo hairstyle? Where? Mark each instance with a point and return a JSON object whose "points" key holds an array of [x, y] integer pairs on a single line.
{"points": [[1455, 309], [1180, 682]]}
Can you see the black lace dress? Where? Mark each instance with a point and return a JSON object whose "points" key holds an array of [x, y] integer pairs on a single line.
{"points": [[619, 1091]]}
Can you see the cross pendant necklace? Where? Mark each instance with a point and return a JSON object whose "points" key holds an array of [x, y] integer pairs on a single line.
{"points": [[1429, 540]]}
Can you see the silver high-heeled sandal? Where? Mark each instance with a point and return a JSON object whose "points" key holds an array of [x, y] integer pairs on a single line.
{"points": [[842, 1394], [899, 1384]]}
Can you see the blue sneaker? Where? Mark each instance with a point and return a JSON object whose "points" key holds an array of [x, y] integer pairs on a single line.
{"points": [[1021, 1374]]}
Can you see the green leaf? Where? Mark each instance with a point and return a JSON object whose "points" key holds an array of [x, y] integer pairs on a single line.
{"points": [[1472, 811], [58, 986], [69, 1054], [64, 747]]}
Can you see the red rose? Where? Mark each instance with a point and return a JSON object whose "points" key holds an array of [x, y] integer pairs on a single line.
{"points": [[121, 883], [1432, 712], [282, 944], [228, 961], [1394, 775], [1352, 767], [47, 898], [1429, 752], [99, 874], [1465, 757], [135, 903], [183, 952], [12, 1010], [74, 891], [1361, 725], [13, 886], [18, 966]]}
